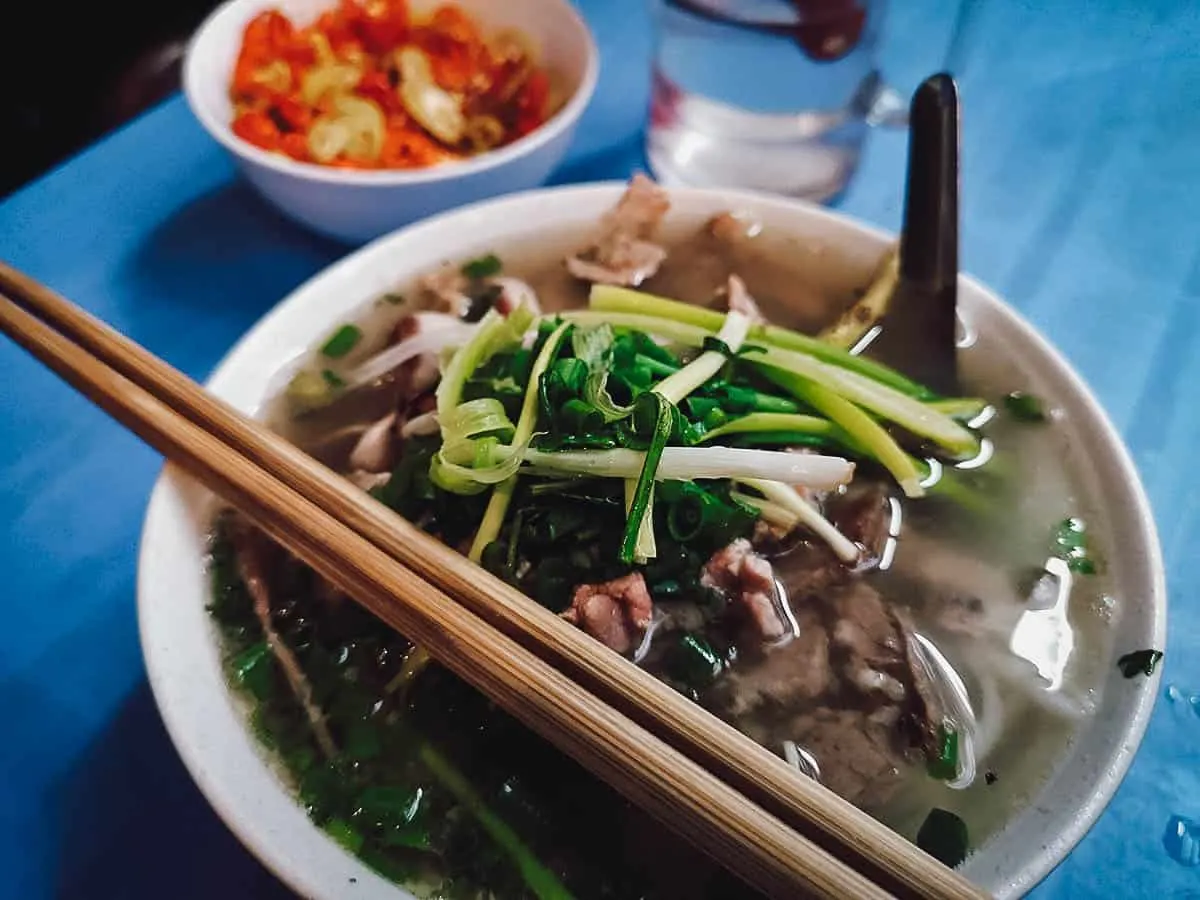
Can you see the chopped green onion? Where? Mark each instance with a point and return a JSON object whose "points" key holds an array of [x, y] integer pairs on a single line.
{"points": [[497, 508], [543, 882], [332, 379], [342, 341], [943, 835], [1024, 407], [1140, 662], [1071, 545], [343, 832], [945, 765], [308, 391], [693, 661], [483, 267], [493, 334]]}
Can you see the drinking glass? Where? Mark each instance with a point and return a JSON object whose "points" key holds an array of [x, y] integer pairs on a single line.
{"points": [[768, 95]]}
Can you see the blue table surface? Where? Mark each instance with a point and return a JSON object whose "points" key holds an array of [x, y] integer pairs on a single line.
{"points": [[1081, 192]]}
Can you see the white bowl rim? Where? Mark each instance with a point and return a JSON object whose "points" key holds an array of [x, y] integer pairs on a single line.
{"points": [[562, 120], [1039, 863]]}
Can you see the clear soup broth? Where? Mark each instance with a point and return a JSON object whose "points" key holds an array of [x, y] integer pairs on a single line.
{"points": [[948, 669]]}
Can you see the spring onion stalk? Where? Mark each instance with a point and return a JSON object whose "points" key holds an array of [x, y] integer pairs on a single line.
{"points": [[493, 334], [690, 463], [807, 514], [877, 397], [655, 366], [611, 299], [643, 492], [964, 408], [462, 469], [850, 327], [752, 422], [771, 513], [497, 508], [646, 547], [544, 884], [679, 332], [676, 386], [484, 415], [863, 430]]}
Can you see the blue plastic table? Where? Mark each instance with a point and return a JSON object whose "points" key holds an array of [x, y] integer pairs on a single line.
{"points": [[1081, 205]]}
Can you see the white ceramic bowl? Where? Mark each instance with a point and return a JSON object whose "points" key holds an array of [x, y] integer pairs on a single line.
{"points": [[179, 641], [354, 207]]}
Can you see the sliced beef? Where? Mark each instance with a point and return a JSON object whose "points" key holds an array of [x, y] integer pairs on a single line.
{"points": [[375, 451], [446, 290], [796, 672], [512, 293], [871, 644], [863, 514], [731, 229], [856, 757], [623, 253], [616, 613], [748, 581], [849, 690], [807, 567]]}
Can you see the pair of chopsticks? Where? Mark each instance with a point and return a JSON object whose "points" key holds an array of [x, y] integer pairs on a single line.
{"points": [[781, 832]]}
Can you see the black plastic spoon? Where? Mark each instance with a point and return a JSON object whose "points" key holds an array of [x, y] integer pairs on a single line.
{"points": [[919, 328]]}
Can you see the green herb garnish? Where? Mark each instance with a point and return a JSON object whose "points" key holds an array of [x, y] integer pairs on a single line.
{"points": [[1024, 407], [392, 298], [694, 662], [1071, 545], [253, 668], [483, 267], [332, 379], [944, 766], [1140, 662], [943, 835], [342, 341]]}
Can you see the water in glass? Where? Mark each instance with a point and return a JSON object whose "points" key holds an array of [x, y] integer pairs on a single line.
{"points": [[769, 95]]}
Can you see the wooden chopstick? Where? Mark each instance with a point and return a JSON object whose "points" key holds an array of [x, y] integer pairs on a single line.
{"points": [[750, 842], [835, 825]]}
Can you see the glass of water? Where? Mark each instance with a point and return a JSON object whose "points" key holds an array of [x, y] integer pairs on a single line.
{"points": [[767, 95]]}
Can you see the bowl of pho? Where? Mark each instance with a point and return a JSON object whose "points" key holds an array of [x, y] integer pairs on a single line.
{"points": [[652, 412]]}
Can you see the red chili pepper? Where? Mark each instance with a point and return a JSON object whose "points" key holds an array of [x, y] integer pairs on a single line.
{"points": [[257, 128]]}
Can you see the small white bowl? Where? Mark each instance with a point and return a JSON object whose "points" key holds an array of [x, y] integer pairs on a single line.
{"points": [[356, 206], [207, 722]]}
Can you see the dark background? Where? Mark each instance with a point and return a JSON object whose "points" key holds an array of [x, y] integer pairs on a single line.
{"points": [[73, 71]]}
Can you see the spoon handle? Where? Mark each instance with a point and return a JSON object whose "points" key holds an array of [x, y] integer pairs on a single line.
{"points": [[929, 237]]}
